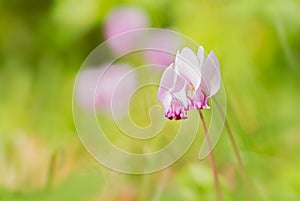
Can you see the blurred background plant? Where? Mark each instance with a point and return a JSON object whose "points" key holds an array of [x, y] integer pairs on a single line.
{"points": [[43, 44]]}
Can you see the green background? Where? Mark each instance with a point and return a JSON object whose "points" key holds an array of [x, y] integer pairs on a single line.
{"points": [[42, 46]]}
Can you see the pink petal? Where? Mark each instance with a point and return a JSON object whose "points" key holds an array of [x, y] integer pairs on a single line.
{"points": [[187, 64], [211, 78]]}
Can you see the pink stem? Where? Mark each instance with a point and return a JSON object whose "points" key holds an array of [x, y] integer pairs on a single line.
{"points": [[212, 160]]}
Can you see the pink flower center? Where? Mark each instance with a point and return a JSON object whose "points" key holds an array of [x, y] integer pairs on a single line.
{"points": [[176, 110]]}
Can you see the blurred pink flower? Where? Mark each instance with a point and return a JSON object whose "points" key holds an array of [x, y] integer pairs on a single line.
{"points": [[162, 45], [103, 86], [121, 20], [189, 82]]}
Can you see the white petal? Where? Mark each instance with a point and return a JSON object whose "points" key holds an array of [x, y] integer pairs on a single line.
{"points": [[181, 96], [166, 82], [172, 84], [167, 101], [187, 64], [179, 82], [211, 78], [179, 89], [200, 55]]}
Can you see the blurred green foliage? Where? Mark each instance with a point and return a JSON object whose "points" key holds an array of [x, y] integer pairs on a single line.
{"points": [[42, 46]]}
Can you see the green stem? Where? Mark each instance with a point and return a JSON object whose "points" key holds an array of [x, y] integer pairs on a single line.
{"points": [[212, 160], [236, 152]]}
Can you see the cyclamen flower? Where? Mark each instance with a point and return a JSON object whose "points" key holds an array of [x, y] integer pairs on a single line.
{"points": [[161, 40], [121, 20], [189, 82], [99, 87]]}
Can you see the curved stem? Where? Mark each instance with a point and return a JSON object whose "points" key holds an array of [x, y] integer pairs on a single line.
{"points": [[212, 160], [236, 152]]}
